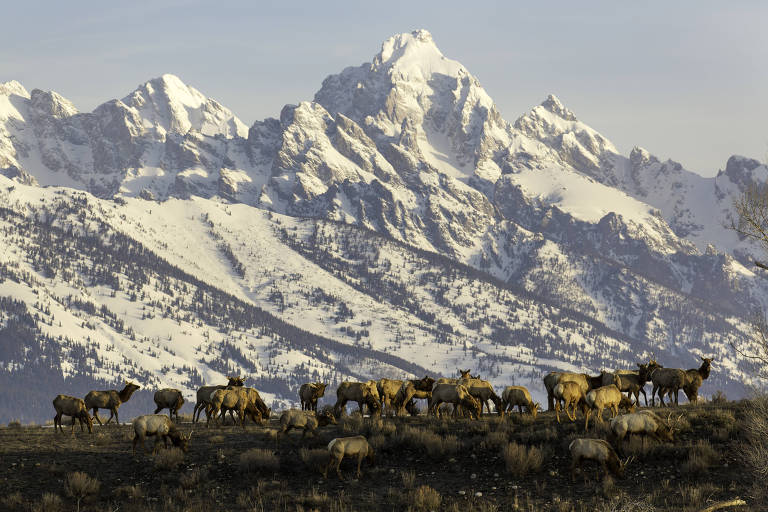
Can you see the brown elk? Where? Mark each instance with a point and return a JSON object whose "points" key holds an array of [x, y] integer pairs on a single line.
{"points": [[599, 451], [204, 395], [518, 396], [110, 399], [170, 399], [356, 446], [307, 421], [163, 428], [310, 393], [74, 407], [364, 393], [571, 394]]}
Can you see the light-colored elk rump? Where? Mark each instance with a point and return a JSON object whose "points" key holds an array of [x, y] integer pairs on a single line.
{"points": [[599, 451], [110, 399], [307, 421], [455, 394], [170, 399], [666, 380], [356, 447], [161, 427], [310, 393], [552, 379], [482, 391], [203, 401], [388, 389], [571, 395], [601, 398], [71, 406], [235, 399], [364, 393], [413, 389], [642, 423], [518, 396]]}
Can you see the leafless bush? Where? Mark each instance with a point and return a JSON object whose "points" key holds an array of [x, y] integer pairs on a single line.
{"points": [[755, 450], [50, 502], [719, 398], [169, 459], [259, 459], [408, 477], [13, 501], [79, 485], [496, 440], [426, 498], [521, 460]]}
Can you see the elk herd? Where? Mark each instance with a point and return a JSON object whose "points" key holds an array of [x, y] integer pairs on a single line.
{"points": [[466, 396]]}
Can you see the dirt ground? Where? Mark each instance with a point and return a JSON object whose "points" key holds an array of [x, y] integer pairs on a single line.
{"points": [[462, 462]]}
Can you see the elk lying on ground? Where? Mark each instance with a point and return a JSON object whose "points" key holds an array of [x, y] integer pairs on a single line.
{"points": [[161, 427], [340, 447], [204, 395], [110, 399], [518, 396], [170, 399], [309, 394], [456, 394], [599, 451], [308, 421], [602, 398], [74, 407], [364, 393], [643, 423], [571, 394]]}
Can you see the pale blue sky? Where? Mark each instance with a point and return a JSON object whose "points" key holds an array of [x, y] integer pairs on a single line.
{"points": [[688, 81]]}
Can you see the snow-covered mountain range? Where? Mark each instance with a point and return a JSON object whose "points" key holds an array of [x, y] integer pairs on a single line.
{"points": [[394, 225]]}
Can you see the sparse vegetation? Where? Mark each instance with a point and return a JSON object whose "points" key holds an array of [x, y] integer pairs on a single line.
{"points": [[522, 460], [259, 459], [79, 486]]}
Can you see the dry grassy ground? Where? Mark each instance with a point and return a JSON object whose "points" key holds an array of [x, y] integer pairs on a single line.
{"points": [[421, 464]]}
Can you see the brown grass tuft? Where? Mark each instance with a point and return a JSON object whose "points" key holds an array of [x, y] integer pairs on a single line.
{"points": [[50, 502], [131, 492], [169, 459], [257, 459], [193, 478], [408, 477], [79, 485], [521, 460], [700, 458], [426, 498]]}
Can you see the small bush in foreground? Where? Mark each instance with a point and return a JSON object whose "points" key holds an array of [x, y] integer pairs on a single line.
{"points": [[521, 460], [257, 459], [79, 485], [169, 459], [426, 498]]}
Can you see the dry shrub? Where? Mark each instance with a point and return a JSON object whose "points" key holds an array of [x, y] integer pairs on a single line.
{"points": [[697, 494], [426, 498], [377, 441], [79, 485], [13, 501], [315, 498], [50, 502], [408, 477], [257, 459], [755, 450], [217, 438], [719, 398], [495, 440], [521, 459], [315, 460], [351, 424], [169, 459], [435, 445], [131, 492], [193, 478], [14, 424], [700, 458]]}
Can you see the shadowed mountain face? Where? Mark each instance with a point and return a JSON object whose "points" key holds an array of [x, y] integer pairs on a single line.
{"points": [[398, 168]]}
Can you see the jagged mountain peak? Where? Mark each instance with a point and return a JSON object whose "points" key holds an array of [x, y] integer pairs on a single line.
{"points": [[51, 103], [553, 104], [415, 56], [170, 105], [13, 87]]}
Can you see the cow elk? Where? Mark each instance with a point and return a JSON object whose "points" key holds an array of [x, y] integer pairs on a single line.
{"points": [[356, 446], [520, 397], [170, 399], [74, 407], [310, 393], [110, 399], [161, 427]]}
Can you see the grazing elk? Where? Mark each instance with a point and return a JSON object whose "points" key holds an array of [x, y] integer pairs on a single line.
{"points": [[599, 451], [643, 423], [552, 379], [456, 394], [110, 399], [413, 389], [170, 399], [482, 391], [518, 396], [74, 407], [356, 446], [364, 393], [204, 395], [388, 389], [694, 378], [310, 393], [605, 397], [235, 399], [307, 421], [160, 426], [571, 394], [255, 398]]}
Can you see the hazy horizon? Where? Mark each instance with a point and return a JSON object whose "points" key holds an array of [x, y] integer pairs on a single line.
{"points": [[683, 81]]}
